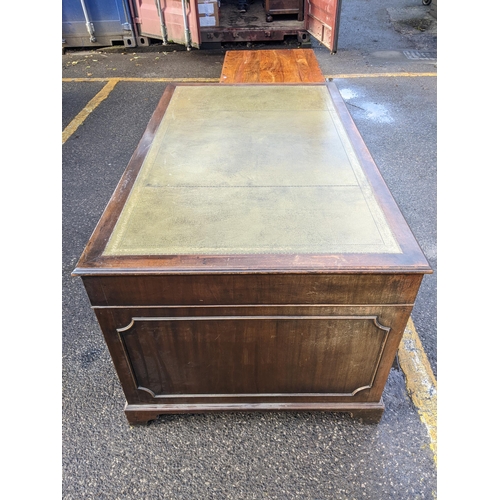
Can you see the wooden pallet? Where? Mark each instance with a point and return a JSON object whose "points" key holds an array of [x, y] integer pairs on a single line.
{"points": [[271, 66]]}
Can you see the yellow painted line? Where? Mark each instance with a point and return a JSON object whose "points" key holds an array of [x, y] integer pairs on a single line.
{"points": [[216, 80], [380, 75], [130, 79], [420, 381], [91, 105]]}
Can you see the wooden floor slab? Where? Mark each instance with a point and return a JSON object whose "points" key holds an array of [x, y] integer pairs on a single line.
{"points": [[271, 66]]}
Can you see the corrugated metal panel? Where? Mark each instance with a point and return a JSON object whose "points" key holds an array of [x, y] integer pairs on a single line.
{"points": [[149, 22], [93, 23]]}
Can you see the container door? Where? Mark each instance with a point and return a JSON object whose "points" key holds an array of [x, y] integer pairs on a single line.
{"points": [[168, 22], [87, 23], [322, 21]]}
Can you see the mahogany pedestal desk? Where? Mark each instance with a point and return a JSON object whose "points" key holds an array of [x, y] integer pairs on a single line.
{"points": [[252, 258]]}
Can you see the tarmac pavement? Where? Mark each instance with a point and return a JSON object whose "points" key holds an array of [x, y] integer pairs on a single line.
{"points": [[385, 69]]}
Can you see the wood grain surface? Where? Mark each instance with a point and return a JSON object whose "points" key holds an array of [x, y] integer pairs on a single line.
{"points": [[271, 66]]}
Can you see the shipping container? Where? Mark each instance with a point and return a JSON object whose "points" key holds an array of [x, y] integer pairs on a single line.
{"points": [[97, 23], [210, 23]]}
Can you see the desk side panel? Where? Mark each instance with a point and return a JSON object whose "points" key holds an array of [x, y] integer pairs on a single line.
{"points": [[345, 289], [247, 356]]}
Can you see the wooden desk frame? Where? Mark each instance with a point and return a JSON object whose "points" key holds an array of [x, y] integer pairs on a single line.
{"points": [[142, 302]]}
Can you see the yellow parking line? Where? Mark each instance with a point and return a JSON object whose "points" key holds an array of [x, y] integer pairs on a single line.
{"points": [[216, 80], [380, 75], [131, 79], [420, 381], [91, 105]]}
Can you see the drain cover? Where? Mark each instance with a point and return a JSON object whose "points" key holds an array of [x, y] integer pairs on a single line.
{"points": [[416, 55]]}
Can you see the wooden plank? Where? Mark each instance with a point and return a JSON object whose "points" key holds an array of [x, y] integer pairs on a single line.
{"points": [[271, 66]]}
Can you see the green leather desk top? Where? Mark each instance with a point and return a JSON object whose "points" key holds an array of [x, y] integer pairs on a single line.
{"points": [[251, 170]]}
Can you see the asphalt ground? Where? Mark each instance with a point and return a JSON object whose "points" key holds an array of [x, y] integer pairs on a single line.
{"points": [[386, 70]]}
